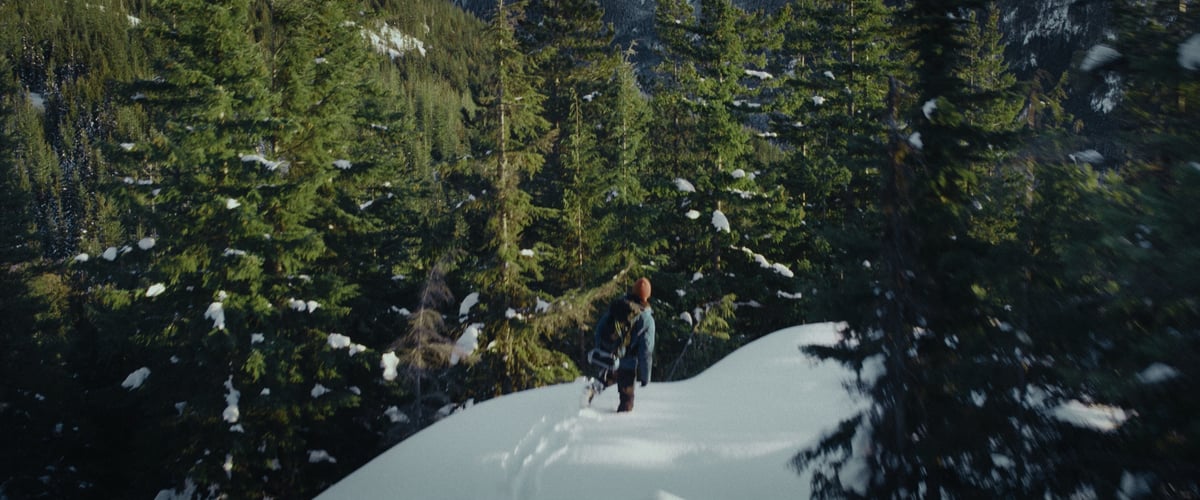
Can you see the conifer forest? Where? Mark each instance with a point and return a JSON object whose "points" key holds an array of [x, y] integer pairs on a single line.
{"points": [[242, 236]]}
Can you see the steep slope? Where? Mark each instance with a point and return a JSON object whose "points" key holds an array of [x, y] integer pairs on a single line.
{"points": [[728, 433]]}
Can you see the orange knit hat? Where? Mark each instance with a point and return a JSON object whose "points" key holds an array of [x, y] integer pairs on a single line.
{"points": [[641, 288]]}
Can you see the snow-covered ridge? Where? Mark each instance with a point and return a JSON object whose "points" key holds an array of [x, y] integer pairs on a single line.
{"points": [[730, 432]]}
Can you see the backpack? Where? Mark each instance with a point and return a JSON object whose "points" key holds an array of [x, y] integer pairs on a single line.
{"points": [[616, 333]]}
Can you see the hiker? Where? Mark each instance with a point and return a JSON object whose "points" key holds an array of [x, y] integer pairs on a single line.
{"points": [[624, 342]]}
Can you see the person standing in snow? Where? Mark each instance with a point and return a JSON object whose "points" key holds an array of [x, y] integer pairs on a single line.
{"points": [[624, 342]]}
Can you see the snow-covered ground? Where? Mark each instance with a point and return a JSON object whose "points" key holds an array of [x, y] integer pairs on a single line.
{"points": [[728, 433]]}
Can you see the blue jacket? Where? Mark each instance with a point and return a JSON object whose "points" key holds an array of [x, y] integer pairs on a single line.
{"points": [[639, 355]]}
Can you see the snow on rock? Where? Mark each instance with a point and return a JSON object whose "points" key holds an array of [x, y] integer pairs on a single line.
{"points": [[689, 439], [393, 42], [467, 343], [762, 75], [136, 379], [356, 348], [156, 290], [829, 75], [1189, 53], [388, 362], [464, 309], [685, 186], [343, 164], [110, 254], [1106, 98], [257, 338], [719, 221], [83, 257], [783, 270], [692, 214], [318, 456], [1052, 19], [216, 312], [1157, 372], [231, 203], [818, 100], [146, 243], [527, 252], [1099, 55], [127, 146], [789, 295], [738, 173]]}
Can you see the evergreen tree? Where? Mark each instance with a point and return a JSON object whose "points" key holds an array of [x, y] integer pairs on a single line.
{"points": [[568, 42], [514, 137], [721, 204], [624, 146], [1134, 337], [937, 328], [233, 305], [830, 113], [37, 388]]}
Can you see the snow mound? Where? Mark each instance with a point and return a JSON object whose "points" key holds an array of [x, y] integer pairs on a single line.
{"points": [[730, 432]]}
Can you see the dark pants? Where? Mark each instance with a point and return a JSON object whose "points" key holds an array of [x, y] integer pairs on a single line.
{"points": [[625, 380]]}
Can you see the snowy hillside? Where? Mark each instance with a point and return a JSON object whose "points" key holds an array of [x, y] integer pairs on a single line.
{"points": [[728, 433]]}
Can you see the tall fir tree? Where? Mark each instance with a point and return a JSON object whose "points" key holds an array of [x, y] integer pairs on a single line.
{"points": [[567, 42], [830, 113], [1135, 337], [37, 385], [936, 331], [708, 200], [224, 272], [513, 140]]}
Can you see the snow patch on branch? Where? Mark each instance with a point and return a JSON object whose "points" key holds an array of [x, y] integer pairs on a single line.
{"points": [[1189, 53], [136, 379], [719, 221], [1098, 56], [388, 362], [232, 397]]}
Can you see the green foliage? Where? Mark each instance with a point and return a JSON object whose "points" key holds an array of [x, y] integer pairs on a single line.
{"points": [[1136, 308], [320, 167]]}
